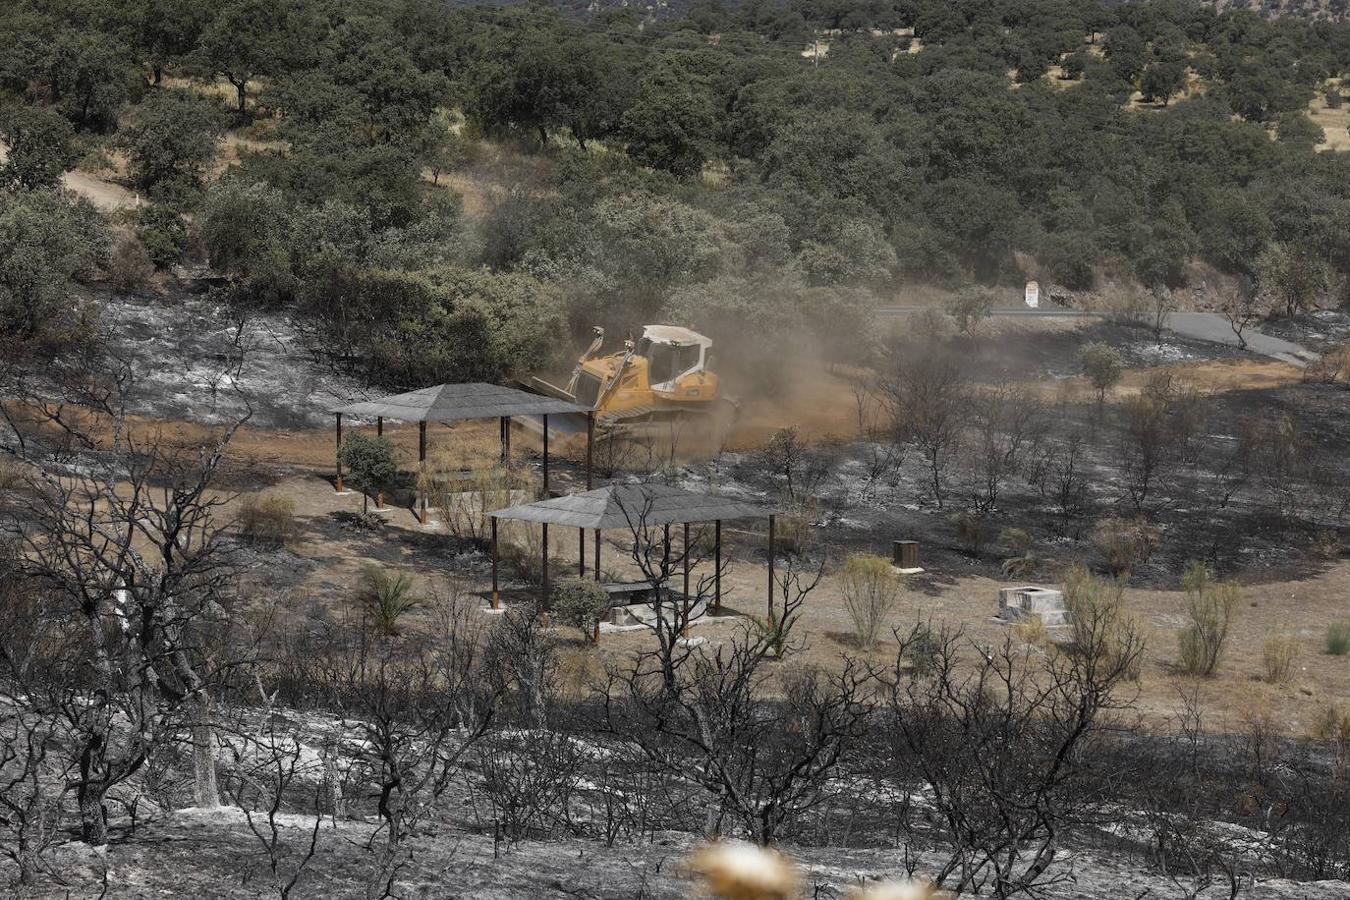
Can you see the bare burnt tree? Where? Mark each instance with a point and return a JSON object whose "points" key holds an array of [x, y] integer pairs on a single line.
{"points": [[411, 707], [33, 785], [799, 465], [928, 396], [616, 451], [1181, 785], [1243, 308], [1158, 434], [277, 785], [882, 456], [34, 797], [998, 740], [663, 560], [705, 714], [521, 663], [530, 780], [1061, 474], [1225, 472], [121, 535], [1007, 425], [763, 762], [794, 580], [1287, 466]]}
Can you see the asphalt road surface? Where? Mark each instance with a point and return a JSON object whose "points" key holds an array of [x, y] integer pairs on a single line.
{"points": [[1201, 326]]}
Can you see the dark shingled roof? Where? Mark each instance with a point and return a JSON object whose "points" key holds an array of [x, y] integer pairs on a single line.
{"points": [[456, 402], [626, 505]]}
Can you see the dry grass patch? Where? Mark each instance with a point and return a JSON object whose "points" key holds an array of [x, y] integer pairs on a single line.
{"points": [[267, 519], [1278, 654], [1195, 86], [215, 88], [1335, 123]]}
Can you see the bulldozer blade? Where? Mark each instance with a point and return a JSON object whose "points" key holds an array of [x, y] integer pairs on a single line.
{"points": [[560, 425], [548, 389]]}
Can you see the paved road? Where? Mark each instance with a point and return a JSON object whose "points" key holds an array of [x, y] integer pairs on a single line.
{"points": [[1214, 327], [1201, 326], [1050, 312]]}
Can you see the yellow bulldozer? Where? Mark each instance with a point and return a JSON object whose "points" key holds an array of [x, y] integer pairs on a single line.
{"points": [[660, 380]]}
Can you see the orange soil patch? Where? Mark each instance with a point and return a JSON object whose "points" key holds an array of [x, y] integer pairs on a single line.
{"points": [[1221, 375], [820, 405], [1211, 377]]}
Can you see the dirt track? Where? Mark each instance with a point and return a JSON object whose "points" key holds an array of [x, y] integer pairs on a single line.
{"points": [[104, 194]]}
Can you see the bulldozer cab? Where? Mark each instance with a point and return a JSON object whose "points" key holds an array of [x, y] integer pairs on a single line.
{"points": [[672, 353]]}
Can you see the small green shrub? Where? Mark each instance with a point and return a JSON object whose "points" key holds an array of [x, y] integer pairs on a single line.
{"points": [[1101, 626], [1211, 605], [1338, 638], [521, 551], [581, 603], [776, 632], [871, 591], [385, 596], [1331, 724], [1103, 366], [922, 649], [969, 307], [792, 531], [267, 520], [464, 493], [129, 266], [370, 464], [163, 231], [1033, 631]]}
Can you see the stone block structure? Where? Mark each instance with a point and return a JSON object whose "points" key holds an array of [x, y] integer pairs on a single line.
{"points": [[1018, 603]]}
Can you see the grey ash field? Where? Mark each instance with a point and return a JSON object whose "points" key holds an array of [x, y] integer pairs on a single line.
{"points": [[548, 812]]}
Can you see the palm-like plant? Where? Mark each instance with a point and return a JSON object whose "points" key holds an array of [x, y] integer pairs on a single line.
{"points": [[385, 595]]}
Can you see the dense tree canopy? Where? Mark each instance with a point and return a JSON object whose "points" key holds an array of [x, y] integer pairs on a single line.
{"points": [[817, 145]]}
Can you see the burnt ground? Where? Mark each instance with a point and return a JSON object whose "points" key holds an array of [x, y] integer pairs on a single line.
{"points": [[463, 848], [849, 839], [855, 510], [1318, 331], [288, 449], [291, 388], [1045, 349], [197, 358], [195, 853]]}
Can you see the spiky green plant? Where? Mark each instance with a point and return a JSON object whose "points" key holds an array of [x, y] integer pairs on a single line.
{"points": [[385, 596]]}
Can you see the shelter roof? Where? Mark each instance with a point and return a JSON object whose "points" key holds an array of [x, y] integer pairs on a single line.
{"points": [[629, 505], [457, 402]]}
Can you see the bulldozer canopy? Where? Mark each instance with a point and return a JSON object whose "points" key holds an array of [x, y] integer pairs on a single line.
{"points": [[675, 336]]}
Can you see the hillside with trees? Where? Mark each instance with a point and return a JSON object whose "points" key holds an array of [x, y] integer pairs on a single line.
{"points": [[400, 170]]}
